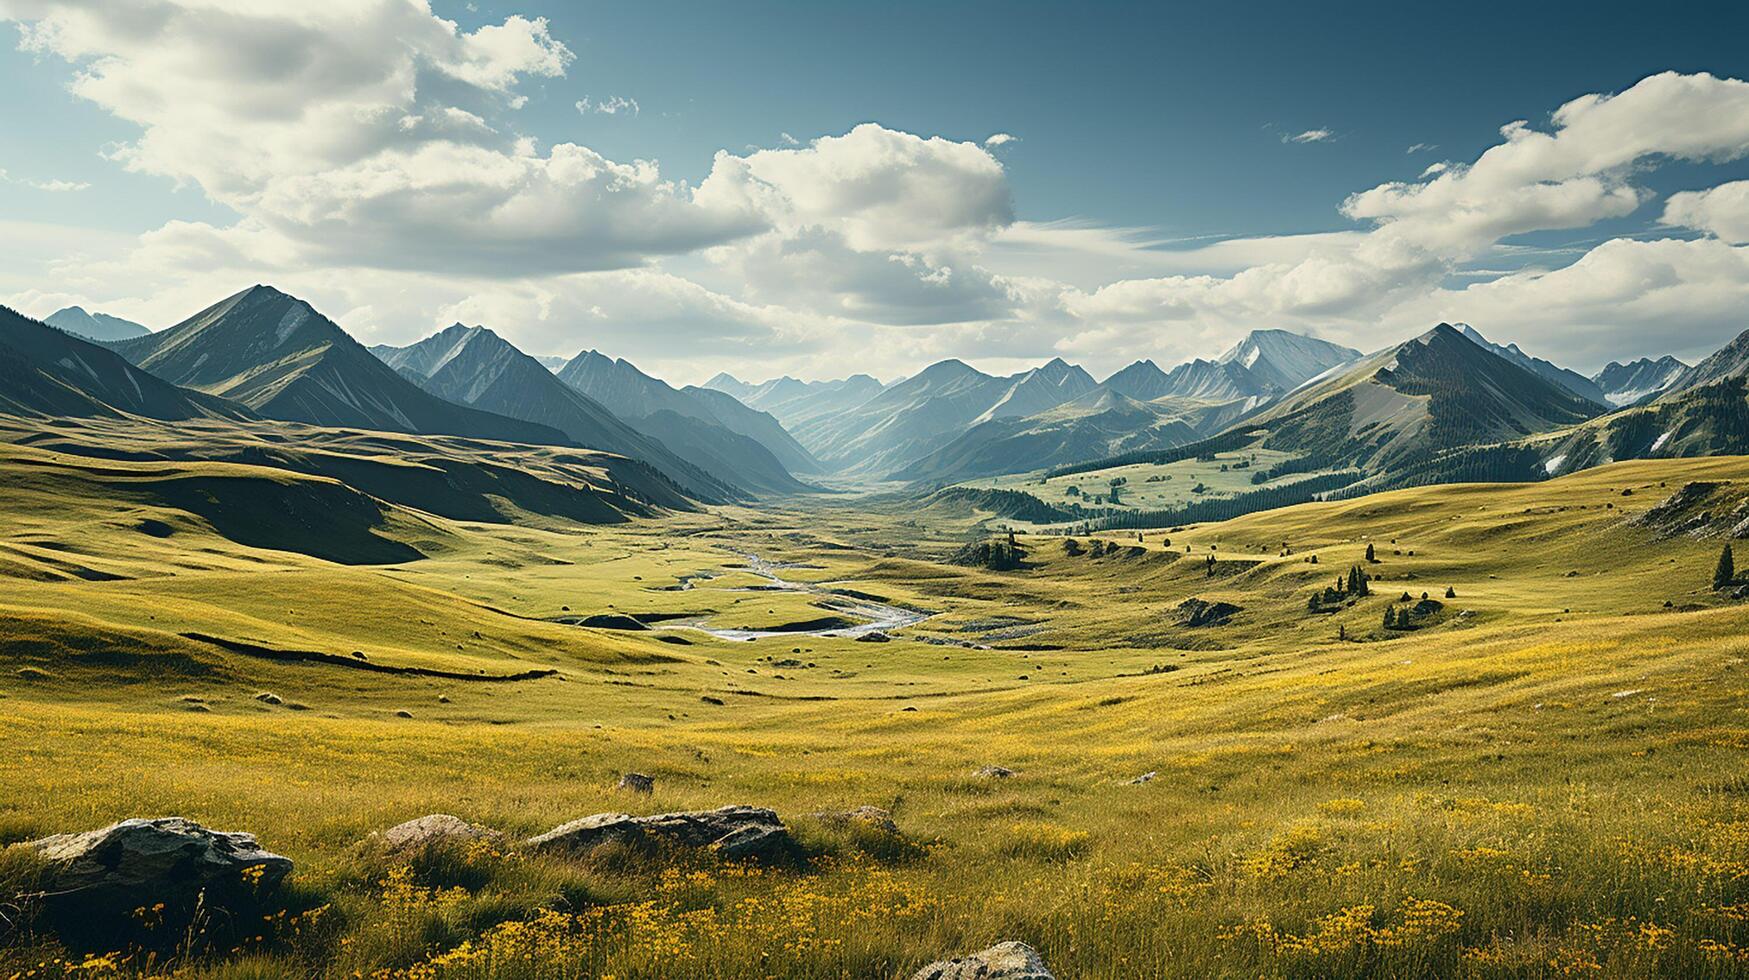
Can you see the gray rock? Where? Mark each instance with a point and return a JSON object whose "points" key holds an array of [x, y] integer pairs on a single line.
{"points": [[137, 863], [1146, 777], [995, 772], [735, 832], [637, 782], [873, 636], [1003, 961], [431, 830], [870, 817]]}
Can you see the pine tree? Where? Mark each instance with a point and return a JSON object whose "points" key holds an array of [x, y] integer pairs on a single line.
{"points": [[1369, 553], [1450, 593], [1726, 573], [1390, 617]]}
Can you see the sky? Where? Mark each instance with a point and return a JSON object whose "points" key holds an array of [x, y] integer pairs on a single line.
{"points": [[818, 189]]}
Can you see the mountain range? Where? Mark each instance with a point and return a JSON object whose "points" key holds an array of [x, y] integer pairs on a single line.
{"points": [[1625, 384], [1446, 403], [633, 395], [45, 371], [276, 355], [474, 366]]}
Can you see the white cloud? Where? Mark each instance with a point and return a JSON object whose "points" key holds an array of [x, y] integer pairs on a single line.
{"points": [[1575, 175], [364, 133], [52, 186], [1421, 148], [373, 153], [1721, 210], [613, 105]]}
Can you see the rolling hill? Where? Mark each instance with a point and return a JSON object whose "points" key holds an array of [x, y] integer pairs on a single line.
{"points": [[275, 354], [94, 326], [474, 366], [49, 372]]}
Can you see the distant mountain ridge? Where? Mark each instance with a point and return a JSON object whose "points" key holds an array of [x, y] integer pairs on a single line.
{"points": [[1729, 361], [1285, 360], [476, 367], [796, 403], [94, 326], [1573, 381], [909, 419], [1625, 384], [631, 394]]}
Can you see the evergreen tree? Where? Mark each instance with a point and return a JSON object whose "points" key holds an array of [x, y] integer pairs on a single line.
{"points": [[1726, 572], [1390, 617], [1369, 553], [1450, 593]]}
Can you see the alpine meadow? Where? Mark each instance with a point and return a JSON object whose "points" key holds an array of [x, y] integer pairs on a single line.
{"points": [[535, 490]]}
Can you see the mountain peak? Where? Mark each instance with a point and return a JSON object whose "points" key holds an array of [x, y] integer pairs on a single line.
{"points": [[1285, 360]]}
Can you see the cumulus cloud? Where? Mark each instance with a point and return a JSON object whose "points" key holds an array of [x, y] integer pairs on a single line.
{"points": [[363, 132], [1374, 287], [1577, 174], [1721, 210], [877, 224], [373, 154]]}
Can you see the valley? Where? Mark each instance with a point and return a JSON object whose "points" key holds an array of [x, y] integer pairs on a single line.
{"points": [[1281, 688], [1274, 791]]}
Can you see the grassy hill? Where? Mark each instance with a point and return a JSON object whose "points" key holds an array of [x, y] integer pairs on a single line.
{"points": [[1542, 777]]}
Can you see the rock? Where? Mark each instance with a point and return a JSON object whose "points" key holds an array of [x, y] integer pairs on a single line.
{"points": [[268, 697], [874, 636], [736, 832], [1146, 777], [431, 830], [1199, 612], [636, 782], [995, 772], [707, 699], [138, 863], [403, 713], [868, 817], [1003, 961]]}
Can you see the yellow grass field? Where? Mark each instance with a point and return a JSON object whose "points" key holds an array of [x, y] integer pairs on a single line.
{"points": [[1550, 777]]}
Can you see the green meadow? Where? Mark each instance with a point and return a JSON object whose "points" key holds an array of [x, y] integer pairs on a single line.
{"points": [[1547, 776]]}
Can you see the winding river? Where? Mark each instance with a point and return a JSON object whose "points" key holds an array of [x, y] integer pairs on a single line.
{"points": [[879, 617]]}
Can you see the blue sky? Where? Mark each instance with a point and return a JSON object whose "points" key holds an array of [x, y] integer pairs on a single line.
{"points": [[1152, 129]]}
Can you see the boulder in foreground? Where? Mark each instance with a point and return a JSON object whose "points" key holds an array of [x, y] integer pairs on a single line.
{"points": [[139, 863], [433, 830], [1003, 961], [734, 832]]}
